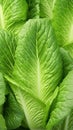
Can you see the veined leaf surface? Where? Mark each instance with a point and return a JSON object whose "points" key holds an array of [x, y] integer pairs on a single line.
{"points": [[12, 12], [64, 101], [7, 52], [13, 113], [40, 8], [63, 23], [38, 64]]}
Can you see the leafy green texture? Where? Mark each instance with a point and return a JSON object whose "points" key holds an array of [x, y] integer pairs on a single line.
{"points": [[65, 124], [7, 52], [45, 10], [2, 92], [12, 12], [69, 48], [67, 61], [64, 101], [70, 121], [2, 123], [40, 9], [34, 10], [34, 109], [2, 89], [36, 59], [63, 23], [13, 113], [36, 71]]}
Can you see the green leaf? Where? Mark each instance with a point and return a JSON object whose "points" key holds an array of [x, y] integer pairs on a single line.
{"points": [[12, 12], [65, 124], [13, 113], [40, 9], [34, 10], [7, 52], [2, 123], [64, 101], [31, 107], [67, 61], [45, 9], [69, 121], [63, 21], [37, 69], [69, 48], [34, 110], [2, 89]]}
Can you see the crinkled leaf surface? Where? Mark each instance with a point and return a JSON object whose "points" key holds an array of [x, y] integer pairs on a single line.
{"points": [[36, 59], [65, 124], [13, 113], [34, 109], [45, 9], [34, 10], [69, 121], [63, 23], [64, 102], [12, 12], [36, 71], [40, 8], [7, 52]]}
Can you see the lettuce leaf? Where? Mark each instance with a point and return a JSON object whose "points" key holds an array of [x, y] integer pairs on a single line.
{"points": [[67, 61], [63, 23], [7, 52], [33, 108], [2, 89], [13, 113], [12, 13], [40, 9], [65, 124], [36, 72], [37, 56], [2, 123], [64, 101]]}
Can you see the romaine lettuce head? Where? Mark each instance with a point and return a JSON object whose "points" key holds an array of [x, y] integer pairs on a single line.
{"points": [[37, 71]]}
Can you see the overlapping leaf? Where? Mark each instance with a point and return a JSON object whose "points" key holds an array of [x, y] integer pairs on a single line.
{"points": [[7, 52], [67, 61], [63, 23], [36, 71], [65, 124], [13, 12], [40, 9], [35, 111], [64, 102], [37, 56], [13, 113]]}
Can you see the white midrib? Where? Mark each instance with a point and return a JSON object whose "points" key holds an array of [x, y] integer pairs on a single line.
{"points": [[1, 17], [38, 74], [24, 107]]}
